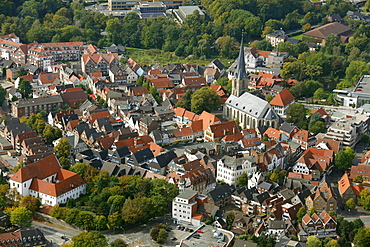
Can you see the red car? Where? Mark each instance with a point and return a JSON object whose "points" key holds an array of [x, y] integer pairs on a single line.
{"points": [[199, 231]]}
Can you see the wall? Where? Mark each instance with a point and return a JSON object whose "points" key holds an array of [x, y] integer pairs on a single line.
{"points": [[48, 218]]}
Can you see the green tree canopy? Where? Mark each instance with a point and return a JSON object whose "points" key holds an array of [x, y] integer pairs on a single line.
{"points": [[296, 114], [89, 239], [20, 216], [205, 99], [343, 159], [313, 241], [350, 203], [243, 179], [25, 88]]}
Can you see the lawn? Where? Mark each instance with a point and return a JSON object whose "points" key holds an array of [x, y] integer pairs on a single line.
{"points": [[297, 37], [150, 56]]}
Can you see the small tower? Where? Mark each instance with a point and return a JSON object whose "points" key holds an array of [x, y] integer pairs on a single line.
{"points": [[240, 80]]}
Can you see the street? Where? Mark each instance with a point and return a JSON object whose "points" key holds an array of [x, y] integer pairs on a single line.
{"points": [[137, 236], [54, 234]]}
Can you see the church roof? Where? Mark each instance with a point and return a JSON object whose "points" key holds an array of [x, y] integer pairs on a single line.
{"points": [[252, 105], [240, 72]]}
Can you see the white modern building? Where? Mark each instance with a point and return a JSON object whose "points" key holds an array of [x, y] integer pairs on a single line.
{"points": [[185, 207], [357, 96], [46, 180], [349, 129], [230, 168]]}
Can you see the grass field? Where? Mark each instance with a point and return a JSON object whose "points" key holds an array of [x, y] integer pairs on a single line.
{"points": [[297, 37], [150, 56]]}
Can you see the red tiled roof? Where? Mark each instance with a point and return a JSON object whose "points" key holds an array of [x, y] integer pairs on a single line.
{"points": [[303, 135], [320, 111], [67, 181], [273, 133], [233, 137], [319, 157], [283, 98], [187, 131], [360, 169], [42, 169], [222, 129], [46, 78]]}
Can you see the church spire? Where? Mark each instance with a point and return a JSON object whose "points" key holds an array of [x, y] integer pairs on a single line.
{"points": [[240, 67]]}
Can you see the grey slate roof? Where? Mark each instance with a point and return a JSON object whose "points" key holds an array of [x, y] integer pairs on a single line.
{"points": [[252, 105], [220, 193], [53, 99]]}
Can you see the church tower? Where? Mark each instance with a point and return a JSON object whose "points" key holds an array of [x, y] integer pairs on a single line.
{"points": [[240, 79]]}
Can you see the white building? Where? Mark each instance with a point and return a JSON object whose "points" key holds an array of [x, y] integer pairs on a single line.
{"points": [[46, 180], [349, 129], [185, 206], [230, 168]]}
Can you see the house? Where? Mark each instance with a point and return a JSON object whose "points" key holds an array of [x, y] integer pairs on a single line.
{"points": [[314, 159], [251, 111], [275, 228], [361, 170], [319, 225], [185, 207], [184, 134], [328, 144], [147, 125], [221, 196], [304, 138], [211, 75], [46, 180], [24, 237], [26, 107], [242, 225], [194, 83], [348, 190], [74, 97], [216, 132], [100, 62], [282, 101], [276, 37], [289, 129], [230, 168], [275, 134], [321, 33], [323, 199]]}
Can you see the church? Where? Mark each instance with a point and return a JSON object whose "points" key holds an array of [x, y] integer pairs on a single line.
{"points": [[250, 110]]}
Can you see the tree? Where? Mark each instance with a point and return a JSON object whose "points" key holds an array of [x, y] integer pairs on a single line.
{"points": [[243, 179], [2, 95], [365, 199], [205, 99], [227, 47], [89, 239], [362, 238], [162, 236], [355, 70], [118, 243], [224, 81], [296, 114], [63, 152], [229, 220], [313, 241], [31, 203], [319, 94], [318, 127], [300, 214], [186, 100], [332, 243], [358, 179], [350, 204], [20, 216], [25, 88], [85, 219], [312, 211], [343, 159], [136, 210]]}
